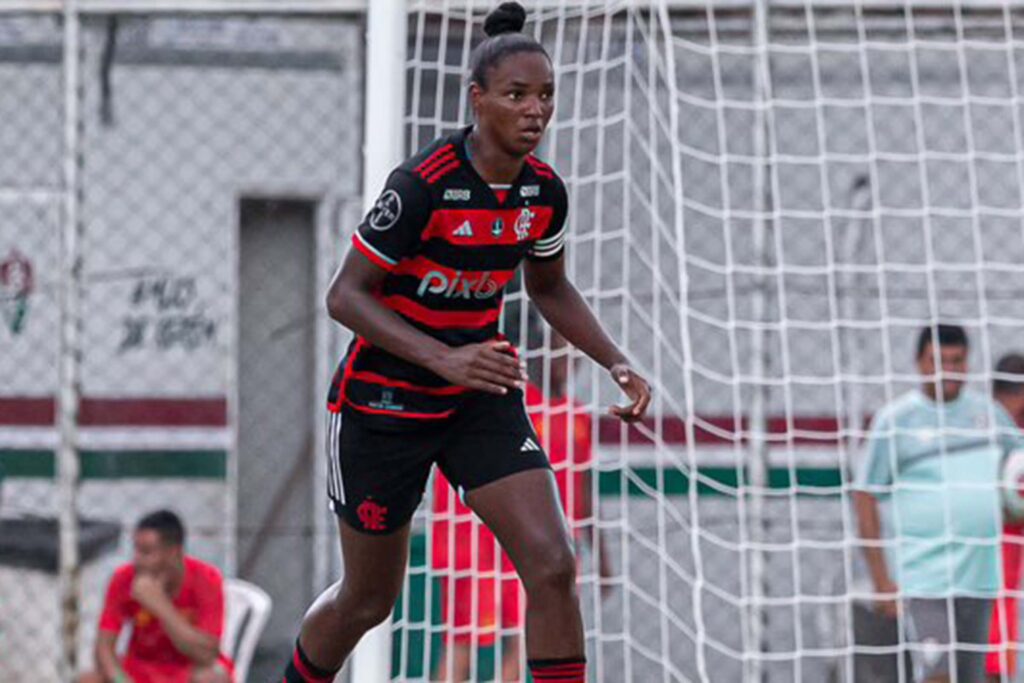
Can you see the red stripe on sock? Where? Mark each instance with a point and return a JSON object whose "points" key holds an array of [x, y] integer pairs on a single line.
{"points": [[306, 674], [570, 672]]}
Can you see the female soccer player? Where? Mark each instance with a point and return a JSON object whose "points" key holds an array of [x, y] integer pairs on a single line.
{"points": [[428, 379]]}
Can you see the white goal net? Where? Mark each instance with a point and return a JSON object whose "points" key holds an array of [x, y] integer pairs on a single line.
{"points": [[768, 201]]}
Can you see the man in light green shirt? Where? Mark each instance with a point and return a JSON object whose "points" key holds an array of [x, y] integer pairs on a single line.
{"points": [[930, 488]]}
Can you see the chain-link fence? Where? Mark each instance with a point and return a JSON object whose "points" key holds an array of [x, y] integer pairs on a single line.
{"points": [[218, 155]]}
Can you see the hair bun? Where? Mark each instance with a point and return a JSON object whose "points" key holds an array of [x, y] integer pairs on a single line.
{"points": [[508, 17]]}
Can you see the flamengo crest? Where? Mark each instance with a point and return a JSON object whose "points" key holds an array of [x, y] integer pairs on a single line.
{"points": [[523, 224]]}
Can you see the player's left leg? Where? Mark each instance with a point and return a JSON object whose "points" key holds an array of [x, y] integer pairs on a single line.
{"points": [[524, 513], [493, 454]]}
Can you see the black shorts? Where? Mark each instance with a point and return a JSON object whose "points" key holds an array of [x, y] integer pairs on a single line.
{"points": [[376, 477]]}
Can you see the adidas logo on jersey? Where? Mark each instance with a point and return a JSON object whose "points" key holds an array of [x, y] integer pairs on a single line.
{"points": [[464, 230], [529, 445]]}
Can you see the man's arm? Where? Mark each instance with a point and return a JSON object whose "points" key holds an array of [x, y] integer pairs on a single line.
{"points": [[870, 527], [106, 656], [560, 303], [199, 646]]}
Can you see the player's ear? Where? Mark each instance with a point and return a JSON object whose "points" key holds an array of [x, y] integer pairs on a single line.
{"points": [[476, 91]]}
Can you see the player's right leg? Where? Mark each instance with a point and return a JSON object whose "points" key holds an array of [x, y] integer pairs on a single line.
{"points": [[90, 677], [374, 569], [375, 482]]}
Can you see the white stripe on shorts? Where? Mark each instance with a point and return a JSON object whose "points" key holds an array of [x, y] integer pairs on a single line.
{"points": [[334, 487], [330, 455], [339, 481]]}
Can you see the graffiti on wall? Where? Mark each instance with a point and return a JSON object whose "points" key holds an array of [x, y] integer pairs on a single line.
{"points": [[166, 313], [16, 283]]}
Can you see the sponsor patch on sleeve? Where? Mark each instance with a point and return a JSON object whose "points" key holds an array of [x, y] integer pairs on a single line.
{"points": [[386, 211]]}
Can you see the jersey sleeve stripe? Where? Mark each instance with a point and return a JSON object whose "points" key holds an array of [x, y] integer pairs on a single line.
{"points": [[442, 172], [375, 255], [436, 164], [544, 255], [551, 248], [440, 152], [557, 238], [547, 255], [548, 250], [441, 320]]}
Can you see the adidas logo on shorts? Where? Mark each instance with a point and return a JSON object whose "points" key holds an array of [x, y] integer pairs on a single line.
{"points": [[529, 445]]}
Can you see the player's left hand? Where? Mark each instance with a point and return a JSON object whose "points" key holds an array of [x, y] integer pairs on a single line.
{"points": [[636, 388], [148, 590]]}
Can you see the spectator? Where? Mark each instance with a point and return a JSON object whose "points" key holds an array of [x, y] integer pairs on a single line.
{"points": [[174, 605], [933, 461]]}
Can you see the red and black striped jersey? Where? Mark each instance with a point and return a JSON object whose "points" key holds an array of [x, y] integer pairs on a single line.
{"points": [[450, 244]]}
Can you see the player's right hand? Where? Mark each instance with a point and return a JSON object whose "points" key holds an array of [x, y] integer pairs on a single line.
{"points": [[492, 366]]}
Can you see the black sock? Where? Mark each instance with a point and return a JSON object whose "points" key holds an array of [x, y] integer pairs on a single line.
{"points": [[301, 670]]}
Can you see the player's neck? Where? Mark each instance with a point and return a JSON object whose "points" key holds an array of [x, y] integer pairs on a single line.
{"points": [[489, 161]]}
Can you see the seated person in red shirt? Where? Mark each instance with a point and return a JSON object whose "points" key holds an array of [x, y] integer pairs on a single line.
{"points": [[174, 605]]}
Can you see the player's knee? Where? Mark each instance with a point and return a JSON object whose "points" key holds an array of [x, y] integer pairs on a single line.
{"points": [[556, 573], [366, 609], [89, 677], [374, 610]]}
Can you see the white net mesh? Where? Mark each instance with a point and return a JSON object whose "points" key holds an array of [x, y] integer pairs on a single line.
{"points": [[767, 204]]}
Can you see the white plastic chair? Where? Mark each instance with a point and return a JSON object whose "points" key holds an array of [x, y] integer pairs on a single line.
{"points": [[246, 611]]}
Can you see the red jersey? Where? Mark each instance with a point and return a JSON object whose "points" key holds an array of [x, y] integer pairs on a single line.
{"points": [[450, 244], [564, 430], [151, 656]]}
